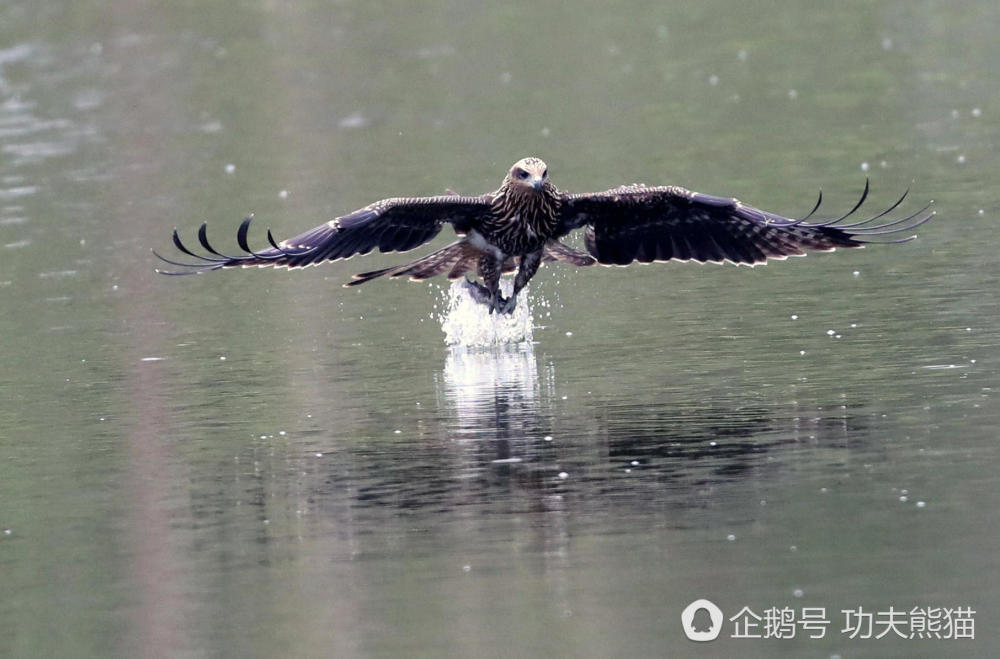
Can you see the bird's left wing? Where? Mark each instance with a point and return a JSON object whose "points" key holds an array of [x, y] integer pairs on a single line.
{"points": [[391, 225], [645, 224]]}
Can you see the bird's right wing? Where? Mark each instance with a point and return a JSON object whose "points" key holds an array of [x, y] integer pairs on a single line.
{"points": [[397, 224]]}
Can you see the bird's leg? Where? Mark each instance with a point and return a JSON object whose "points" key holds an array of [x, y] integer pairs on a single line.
{"points": [[490, 268], [527, 269]]}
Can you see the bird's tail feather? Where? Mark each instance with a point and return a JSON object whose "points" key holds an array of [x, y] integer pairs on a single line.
{"points": [[455, 259]]}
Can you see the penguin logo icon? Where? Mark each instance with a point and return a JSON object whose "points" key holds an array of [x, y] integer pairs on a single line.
{"points": [[702, 620]]}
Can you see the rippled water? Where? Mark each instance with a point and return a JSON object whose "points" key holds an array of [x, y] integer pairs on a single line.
{"points": [[258, 463]]}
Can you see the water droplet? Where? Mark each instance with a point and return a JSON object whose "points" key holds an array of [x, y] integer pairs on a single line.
{"points": [[731, 537], [352, 121]]}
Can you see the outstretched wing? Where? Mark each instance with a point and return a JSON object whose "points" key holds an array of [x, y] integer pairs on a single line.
{"points": [[639, 223], [391, 225]]}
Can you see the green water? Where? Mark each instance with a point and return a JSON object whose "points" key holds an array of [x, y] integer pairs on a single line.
{"points": [[262, 464]]}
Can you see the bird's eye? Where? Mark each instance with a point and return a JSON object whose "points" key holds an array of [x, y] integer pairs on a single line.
{"points": [[522, 174]]}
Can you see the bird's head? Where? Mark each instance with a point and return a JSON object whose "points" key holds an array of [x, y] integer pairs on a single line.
{"points": [[529, 174]]}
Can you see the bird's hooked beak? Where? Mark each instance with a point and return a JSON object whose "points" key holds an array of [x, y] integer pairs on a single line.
{"points": [[537, 182]]}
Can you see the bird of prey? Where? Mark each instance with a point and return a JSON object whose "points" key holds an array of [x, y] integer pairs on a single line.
{"points": [[520, 224]]}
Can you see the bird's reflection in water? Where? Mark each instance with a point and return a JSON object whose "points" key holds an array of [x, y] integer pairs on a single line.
{"points": [[516, 442], [502, 440]]}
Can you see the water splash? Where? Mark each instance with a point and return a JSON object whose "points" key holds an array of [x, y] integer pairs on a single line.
{"points": [[467, 322]]}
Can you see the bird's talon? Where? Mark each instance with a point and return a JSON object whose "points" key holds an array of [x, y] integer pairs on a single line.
{"points": [[499, 304], [509, 304]]}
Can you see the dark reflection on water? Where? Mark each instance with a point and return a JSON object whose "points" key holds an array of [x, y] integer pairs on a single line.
{"points": [[725, 441]]}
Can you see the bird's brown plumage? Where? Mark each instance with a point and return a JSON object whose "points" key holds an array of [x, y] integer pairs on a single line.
{"points": [[520, 224]]}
